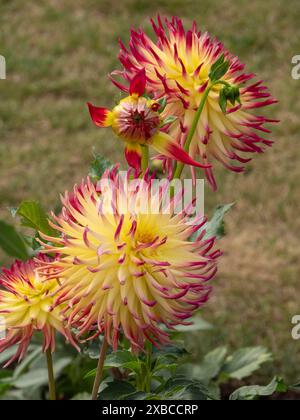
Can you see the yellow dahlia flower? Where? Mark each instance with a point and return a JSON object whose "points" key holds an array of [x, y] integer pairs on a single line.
{"points": [[125, 269], [177, 66], [26, 305]]}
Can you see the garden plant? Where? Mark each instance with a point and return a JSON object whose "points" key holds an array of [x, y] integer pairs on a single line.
{"points": [[105, 289]]}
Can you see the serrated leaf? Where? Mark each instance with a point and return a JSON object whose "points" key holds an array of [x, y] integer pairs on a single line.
{"points": [[244, 362], [99, 166], [255, 391], [12, 242], [34, 216]]}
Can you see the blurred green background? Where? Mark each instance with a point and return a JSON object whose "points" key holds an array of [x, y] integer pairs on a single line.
{"points": [[58, 54]]}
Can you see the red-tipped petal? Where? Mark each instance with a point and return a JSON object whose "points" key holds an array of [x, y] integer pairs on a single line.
{"points": [[138, 83], [133, 154], [164, 144], [101, 116]]}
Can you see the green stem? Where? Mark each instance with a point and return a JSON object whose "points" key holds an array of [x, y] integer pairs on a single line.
{"points": [[100, 366], [179, 167], [149, 366], [51, 380], [145, 158]]}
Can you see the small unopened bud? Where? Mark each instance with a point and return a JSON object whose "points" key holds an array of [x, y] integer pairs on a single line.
{"points": [[231, 94]]}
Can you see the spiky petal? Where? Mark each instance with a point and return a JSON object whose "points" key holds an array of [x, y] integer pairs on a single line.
{"points": [[26, 305], [137, 122], [177, 66], [124, 268]]}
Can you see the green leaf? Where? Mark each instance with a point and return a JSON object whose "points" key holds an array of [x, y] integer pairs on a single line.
{"points": [[119, 358], [217, 63], [211, 365], [218, 69], [116, 390], [12, 242], [172, 351], [27, 362], [82, 396], [138, 395], [4, 388], [296, 386], [135, 366], [199, 324], [216, 226], [37, 377], [181, 387], [99, 166], [245, 361], [33, 216], [165, 366], [90, 374], [255, 391], [5, 381]]}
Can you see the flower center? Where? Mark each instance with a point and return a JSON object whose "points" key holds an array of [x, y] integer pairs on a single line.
{"points": [[135, 120], [145, 238]]}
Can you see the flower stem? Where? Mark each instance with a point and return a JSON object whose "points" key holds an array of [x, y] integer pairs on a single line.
{"points": [[52, 393], [149, 366], [180, 166], [145, 158], [99, 373]]}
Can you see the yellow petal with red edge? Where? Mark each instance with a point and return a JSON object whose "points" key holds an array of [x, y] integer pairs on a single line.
{"points": [[102, 117], [133, 154], [165, 145]]}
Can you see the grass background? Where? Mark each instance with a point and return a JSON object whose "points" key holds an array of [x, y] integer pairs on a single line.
{"points": [[58, 54]]}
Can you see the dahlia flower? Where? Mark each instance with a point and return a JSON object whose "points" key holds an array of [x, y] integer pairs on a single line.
{"points": [[177, 66], [26, 305], [123, 269], [136, 120]]}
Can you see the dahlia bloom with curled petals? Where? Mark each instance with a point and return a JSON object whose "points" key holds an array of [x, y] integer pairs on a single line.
{"points": [[137, 122], [26, 305], [177, 66], [123, 269]]}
